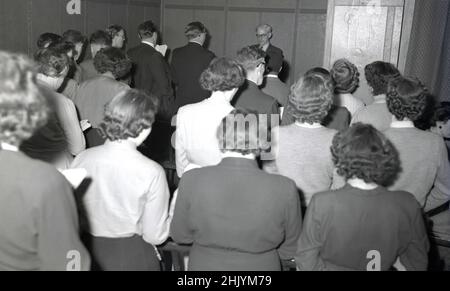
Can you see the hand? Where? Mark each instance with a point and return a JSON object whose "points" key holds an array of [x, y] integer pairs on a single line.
{"points": [[85, 124]]}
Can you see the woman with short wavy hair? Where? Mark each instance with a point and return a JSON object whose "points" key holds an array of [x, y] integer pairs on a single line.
{"points": [[346, 77], [237, 217], [301, 149], [93, 94], [195, 141], [426, 170], [127, 203], [363, 226]]}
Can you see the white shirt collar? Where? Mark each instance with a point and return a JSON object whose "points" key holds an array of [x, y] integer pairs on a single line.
{"points": [[402, 124], [360, 184], [8, 147], [380, 99], [308, 125], [265, 47], [272, 76], [149, 43]]}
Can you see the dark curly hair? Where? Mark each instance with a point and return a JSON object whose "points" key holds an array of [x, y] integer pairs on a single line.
{"points": [[22, 107], [73, 36], [114, 29], [250, 57], [147, 29], [407, 98], [48, 39], [365, 153], [241, 132], [112, 60], [222, 74], [345, 75], [100, 37], [127, 114], [379, 74], [52, 61], [311, 98]]}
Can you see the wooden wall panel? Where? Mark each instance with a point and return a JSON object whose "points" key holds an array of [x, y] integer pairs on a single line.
{"points": [[241, 30], [136, 15], [214, 20], [97, 16], [77, 22], [15, 25], [175, 20]]}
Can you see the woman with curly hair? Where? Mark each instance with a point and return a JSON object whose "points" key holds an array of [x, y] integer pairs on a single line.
{"points": [[378, 75], [62, 137], [346, 78], [118, 36], [127, 203], [94, 94], [363, 226], [425, 167], [195, 137], [301, 148], [38, 215], [237, 217]]}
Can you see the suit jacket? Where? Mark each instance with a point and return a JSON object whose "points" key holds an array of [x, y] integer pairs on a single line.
{"points": [[274, 87], [274, 58], [151, 73], [251, 97], [237, 216], [188, 63]]}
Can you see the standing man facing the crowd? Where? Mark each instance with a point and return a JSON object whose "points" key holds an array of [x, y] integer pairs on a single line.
{"points": [[274, 55]]}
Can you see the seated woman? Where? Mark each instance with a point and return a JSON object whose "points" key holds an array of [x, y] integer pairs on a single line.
{"points": [[62, 137], [38, 216], [378, 75], [302, 149], [425, 166], [196, 142], [363, 226], [127, 203], [346, 77], [95, 93], [236, 216]]}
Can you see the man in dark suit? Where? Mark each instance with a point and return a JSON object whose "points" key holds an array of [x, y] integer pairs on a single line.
{"points": [[249, 95], [150, 71], [274, 55], [188, 62]]}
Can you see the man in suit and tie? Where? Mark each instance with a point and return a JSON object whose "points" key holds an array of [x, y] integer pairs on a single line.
{"points": [[274, 87], [150, 71], [250, 97], [188, 62], [274, 55]]}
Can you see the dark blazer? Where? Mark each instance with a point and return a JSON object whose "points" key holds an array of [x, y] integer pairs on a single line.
{"points": [[151, 73], [274, 58], [251, 97], [274, 87], [237, 216], [188, 62]]}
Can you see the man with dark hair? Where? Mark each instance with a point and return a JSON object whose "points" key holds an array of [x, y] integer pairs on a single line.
{"points": [[78, 40], [48, 39], [151, 72], [188, 62], [99, 40], [274, 55], [250, 97]]}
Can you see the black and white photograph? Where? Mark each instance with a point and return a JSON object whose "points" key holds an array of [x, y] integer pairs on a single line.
{"points": [[200, 138]]}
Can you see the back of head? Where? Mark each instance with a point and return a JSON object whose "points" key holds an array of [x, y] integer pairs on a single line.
{"points": [[250, 57], [112, 60], [127, 114], [407, 98], [100, 37], [48, 39], [194, 29], [22, 107], [379, 74], [73, 36], [222, 74], [52, 62], [365, 153], [345, 75], [147, 29], [311, 98]]}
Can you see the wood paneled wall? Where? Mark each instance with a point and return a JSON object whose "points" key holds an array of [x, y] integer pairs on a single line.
{"points": [[22, 21], [299, 26]]}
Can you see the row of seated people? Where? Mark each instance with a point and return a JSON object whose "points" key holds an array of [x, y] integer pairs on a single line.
{"points": [[235, 215]]}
